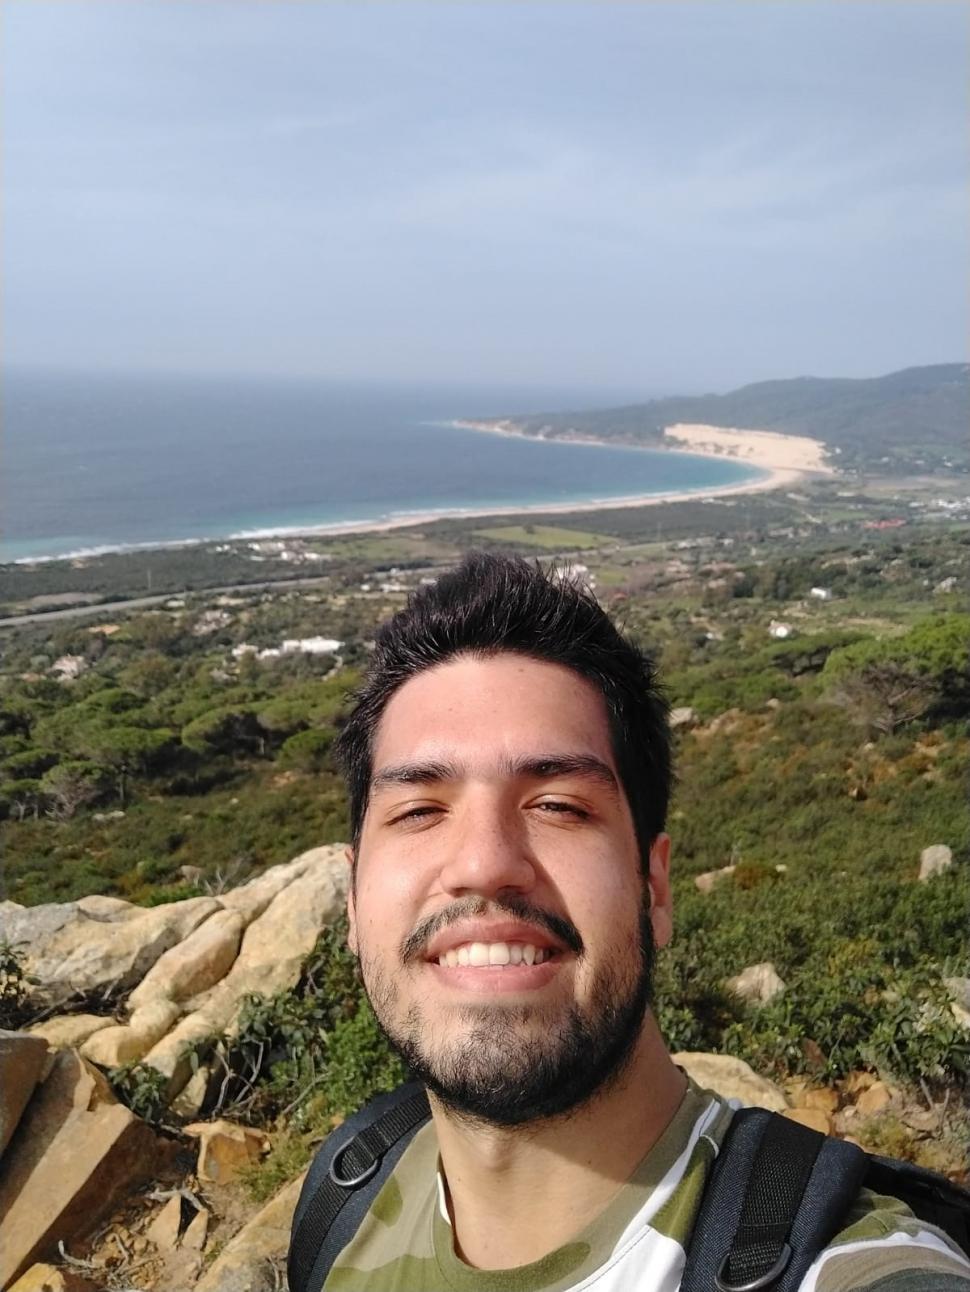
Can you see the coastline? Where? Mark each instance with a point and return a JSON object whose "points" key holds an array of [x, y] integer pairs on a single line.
{"points": [[757, 449], [768, 450]]}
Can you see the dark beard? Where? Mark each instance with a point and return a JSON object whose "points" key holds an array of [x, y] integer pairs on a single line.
{"points": [[494, 1076]]}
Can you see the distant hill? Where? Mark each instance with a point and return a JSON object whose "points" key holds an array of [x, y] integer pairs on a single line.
{"points": [[916, 420]]}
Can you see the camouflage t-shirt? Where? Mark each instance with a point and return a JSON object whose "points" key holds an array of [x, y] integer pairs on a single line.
{"points": [[637, 1243]]}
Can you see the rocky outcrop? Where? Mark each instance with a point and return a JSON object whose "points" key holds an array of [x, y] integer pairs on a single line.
{"points": [[174, 973], [271, 955], [97, 944], [75, 1152], [184, 967]]}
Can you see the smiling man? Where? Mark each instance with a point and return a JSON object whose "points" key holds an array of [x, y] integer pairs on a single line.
{"points": [[508, 764]]}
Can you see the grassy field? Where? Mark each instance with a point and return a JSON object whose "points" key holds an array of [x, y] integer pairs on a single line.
{"points": [[546, 537]]}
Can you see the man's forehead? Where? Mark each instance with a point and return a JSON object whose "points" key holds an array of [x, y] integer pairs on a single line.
{"points": [[497, 709]]}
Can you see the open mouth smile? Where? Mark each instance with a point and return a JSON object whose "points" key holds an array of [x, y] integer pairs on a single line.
{"points": [[482, 955]]}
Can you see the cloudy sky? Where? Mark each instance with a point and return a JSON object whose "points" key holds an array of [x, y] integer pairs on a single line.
{"points": [[666, 196]]}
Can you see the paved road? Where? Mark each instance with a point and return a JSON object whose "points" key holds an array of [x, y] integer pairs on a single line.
{"points": [[104, 609]]}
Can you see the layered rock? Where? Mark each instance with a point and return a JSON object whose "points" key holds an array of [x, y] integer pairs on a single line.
{"points": [[23, 1060], [185, 967], [97, 944], [273, 950], [75, 1153]]}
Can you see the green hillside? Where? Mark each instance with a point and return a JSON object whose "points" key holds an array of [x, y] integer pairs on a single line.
{"points": [[916, 420]]}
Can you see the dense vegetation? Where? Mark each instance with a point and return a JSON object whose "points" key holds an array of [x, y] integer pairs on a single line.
{"points": [[911, 420], [819, 765]]}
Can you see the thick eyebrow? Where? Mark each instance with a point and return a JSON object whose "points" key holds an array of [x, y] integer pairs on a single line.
{"points": [[428, 773], [546, 768], [541, 768]]}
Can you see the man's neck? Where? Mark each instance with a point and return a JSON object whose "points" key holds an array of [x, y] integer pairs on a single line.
{"points": [[517, 1194]]}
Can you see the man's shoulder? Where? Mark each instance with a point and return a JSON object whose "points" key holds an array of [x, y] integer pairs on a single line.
{"points": [[884, 1247], [393, 1248], [880, 1247]]}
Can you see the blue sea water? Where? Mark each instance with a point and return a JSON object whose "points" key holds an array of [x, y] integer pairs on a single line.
{"points": [[105, 462]]}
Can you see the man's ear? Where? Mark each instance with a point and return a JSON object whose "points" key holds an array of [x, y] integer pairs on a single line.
{"points": [[351, 901], [661, 896]]}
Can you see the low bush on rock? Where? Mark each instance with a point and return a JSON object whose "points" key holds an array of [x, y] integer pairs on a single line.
{"points": [[14, 988]]}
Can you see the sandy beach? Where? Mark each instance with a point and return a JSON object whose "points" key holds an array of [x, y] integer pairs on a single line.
{"points": [[786, 460]]}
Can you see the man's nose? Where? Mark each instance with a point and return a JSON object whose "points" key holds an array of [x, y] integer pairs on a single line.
{"points": [[488, 852]]}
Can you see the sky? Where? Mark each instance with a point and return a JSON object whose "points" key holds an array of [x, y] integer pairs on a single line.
{"points": [[666, 197]]}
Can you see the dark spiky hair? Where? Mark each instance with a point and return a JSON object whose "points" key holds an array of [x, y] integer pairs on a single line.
{"points": [[491, 604]]}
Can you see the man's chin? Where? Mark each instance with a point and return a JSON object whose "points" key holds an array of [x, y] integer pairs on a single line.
{"points": [[505, 1073]]}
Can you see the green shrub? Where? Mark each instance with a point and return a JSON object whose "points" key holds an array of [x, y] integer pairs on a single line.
{"points": [[14, 988], [141, 1088], [317, 1047]]}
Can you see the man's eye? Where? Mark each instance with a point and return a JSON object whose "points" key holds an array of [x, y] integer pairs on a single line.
{"points": [[418, 813], [556, 807]]}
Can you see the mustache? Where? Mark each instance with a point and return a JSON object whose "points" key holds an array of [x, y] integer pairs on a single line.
{"points": [[413, 946]]}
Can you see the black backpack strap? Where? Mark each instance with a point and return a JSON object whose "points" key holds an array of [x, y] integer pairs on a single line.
{"points": [[776, 1196], [344, 1179]]}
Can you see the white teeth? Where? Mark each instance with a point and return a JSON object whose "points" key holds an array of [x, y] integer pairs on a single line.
{"points": [[485, 954]]}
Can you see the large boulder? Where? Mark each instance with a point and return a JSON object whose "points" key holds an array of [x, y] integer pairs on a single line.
{"points": [[683, 717], [758, 984], [23, 1059], [246, 1263], [97, 944], [934, 860], [707, 881], [732, 1078], [226, 1148], [75, 1154]]}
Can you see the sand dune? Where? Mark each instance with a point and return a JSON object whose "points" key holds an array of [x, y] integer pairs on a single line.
{"points": [[768, 449]]}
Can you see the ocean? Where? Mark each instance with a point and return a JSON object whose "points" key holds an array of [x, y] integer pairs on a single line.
{"points": [[98, 463]]}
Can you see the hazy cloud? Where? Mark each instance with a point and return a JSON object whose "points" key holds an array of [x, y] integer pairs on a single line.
{"points": [[682, 194]]}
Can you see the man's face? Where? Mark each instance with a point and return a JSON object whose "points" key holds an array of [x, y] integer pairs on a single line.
{"points": [[501, 916]]}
